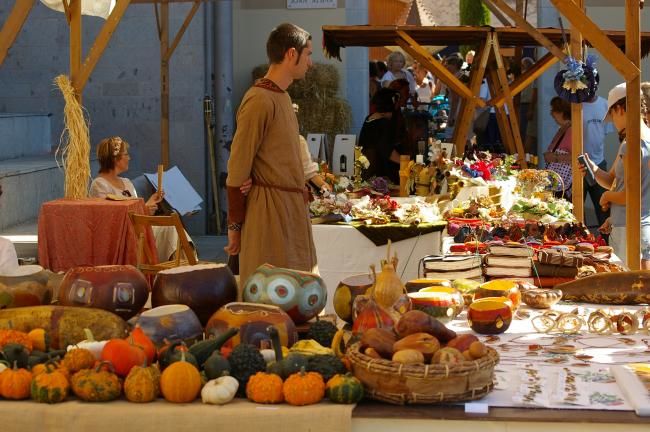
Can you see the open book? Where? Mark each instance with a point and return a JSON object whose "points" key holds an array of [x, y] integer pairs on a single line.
{"points": [[179, 193]]}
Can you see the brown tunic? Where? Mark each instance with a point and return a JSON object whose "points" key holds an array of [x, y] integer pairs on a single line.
{"points": [[276, 227]]}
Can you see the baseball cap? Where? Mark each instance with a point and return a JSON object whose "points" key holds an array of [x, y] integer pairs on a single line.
{"points": [[614, 95]]}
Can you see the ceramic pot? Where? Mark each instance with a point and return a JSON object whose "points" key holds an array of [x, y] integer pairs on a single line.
{"points": [[203, 287], [415, 285], [120, 289], [171, 323], [25, 286], [252, 320], [346, 291], [442, 303], [491, 315], [500, 288], [302, 295]]}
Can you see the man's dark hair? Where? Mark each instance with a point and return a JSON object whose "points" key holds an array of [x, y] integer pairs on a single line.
{"points": [[284, 37]]}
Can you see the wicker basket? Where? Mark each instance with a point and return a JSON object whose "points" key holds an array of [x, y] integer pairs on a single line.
{"points": [[401, 384]]}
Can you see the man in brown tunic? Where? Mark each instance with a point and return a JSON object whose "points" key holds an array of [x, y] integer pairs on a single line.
{"points": [[271, 224]]}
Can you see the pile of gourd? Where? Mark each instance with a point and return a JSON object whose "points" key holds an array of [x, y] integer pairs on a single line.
{"points": [[100, 371]]}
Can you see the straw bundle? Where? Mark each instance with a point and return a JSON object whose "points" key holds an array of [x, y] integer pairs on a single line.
{"points": [[74, 144]]}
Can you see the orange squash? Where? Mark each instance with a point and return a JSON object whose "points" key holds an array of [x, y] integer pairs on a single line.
{"points": [[180, 382], [77, 359], [40, 339], [50, 386], [139, 337], [142, 384], [96, 385], [265, 388], [58, 366], [304, 388], [123, 355], [15, 383]]}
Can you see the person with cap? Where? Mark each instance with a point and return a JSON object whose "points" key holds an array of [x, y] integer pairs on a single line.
{"points": [[614, 180]]}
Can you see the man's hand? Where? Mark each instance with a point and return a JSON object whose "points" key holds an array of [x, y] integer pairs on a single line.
{"points": [[234, 242], [605, 200], [246, 186]]}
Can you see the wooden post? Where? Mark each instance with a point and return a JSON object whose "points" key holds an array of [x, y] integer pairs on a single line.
{"points": [[13, 25], [502, 117], [576, 131], [527, 78], [75, 43], [633, 137], [468, 107], [164, 83]]}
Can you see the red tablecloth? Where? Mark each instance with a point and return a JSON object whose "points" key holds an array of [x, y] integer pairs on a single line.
{"points": [[87, 232]]}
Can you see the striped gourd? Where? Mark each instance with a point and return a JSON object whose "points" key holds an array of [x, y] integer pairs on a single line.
{"points": [[344, 389]]}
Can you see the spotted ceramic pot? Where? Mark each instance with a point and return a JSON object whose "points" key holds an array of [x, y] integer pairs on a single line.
{"points": [[302, 295]]}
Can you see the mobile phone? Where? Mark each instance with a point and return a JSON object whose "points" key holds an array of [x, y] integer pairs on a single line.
{"points": [[589, 176]]}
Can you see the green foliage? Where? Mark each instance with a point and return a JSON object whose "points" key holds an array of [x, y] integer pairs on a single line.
{"points": [[474, 12]]}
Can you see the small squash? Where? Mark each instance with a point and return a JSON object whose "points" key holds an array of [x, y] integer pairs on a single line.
{"points": [[77, 359], [408, 356], [284, 366], [8, 336], [58, 366], [219, 391], [123, 355], [180, 382], [15, 383], [142, 384], [140, 338], [344, 389], [90, 344], [265, 388], [40, 339], [203, 350], [216, 365], [50, 386], [96, 385], [304, 388]]}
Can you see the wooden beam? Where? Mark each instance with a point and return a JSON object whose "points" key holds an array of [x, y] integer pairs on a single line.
{"points": [[527, 78], [597, 38], [468, 107], [497, 13], [66, 10], [576, 131], [76, 46], [181, 31], [530, 29], [513, 117], [13, 25], [164, 85], [502, 116], [100, 44], [633, 136], [409, 45]]}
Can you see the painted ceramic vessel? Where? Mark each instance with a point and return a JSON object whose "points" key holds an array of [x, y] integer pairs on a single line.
{"points": [[26, 285], [252, 320], [441, 303], [348, 290], [302, 295], [120, 289], [416, 285], [204, 288], [491, 315], [171, 323], [500, 288]]}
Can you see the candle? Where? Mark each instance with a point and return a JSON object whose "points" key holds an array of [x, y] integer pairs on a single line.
{"points": [[419, 159]]}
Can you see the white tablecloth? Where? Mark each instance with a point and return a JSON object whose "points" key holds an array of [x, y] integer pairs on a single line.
{"points": [[343, 251]]}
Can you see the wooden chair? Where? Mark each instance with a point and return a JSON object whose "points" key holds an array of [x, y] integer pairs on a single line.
{"points": [[147, 256]]}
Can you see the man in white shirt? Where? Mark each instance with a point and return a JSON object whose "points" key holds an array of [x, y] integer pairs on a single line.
{"points": [[594, 131]]}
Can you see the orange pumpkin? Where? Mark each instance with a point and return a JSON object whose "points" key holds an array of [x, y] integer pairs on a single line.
{"points": [[15, 383], [58, 366], [50, 386], [40, 339], [14, 336], [142, 384], [140, 338], [180, 382], [77, 359], [123, 356], [265, 388], [304, 388]]}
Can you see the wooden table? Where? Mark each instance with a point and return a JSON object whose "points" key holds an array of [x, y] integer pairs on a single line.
{"points": [[87, 232]]}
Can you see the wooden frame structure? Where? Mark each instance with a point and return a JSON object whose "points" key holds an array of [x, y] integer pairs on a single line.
{"points": [[490, 62], [80, 70]]}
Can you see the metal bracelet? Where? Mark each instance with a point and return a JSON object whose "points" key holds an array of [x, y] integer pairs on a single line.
{"points": [[234, 226]]}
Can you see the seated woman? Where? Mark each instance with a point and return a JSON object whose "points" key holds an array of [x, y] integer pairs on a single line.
{"points": [[113, 156], [558, 153], [380, 137]]}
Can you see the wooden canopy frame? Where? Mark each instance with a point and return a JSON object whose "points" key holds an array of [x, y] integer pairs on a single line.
{"points": [[80, 70], [411, 39]]}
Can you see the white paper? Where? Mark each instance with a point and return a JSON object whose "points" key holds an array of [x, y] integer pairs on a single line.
{"points": [[179, 193]]}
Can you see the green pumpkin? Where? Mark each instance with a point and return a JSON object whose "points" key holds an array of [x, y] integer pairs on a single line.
{"points": [[216, 365], [203, 350], [344, 389], [284, 367], [15, 353]]}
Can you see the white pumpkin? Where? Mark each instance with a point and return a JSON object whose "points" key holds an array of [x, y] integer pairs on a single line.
{"points": [[3, 366], [219, 391], [90, 344]]}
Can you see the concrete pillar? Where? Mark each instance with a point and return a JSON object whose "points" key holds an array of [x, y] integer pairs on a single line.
{"points": [[223, 85], [356, 66]]}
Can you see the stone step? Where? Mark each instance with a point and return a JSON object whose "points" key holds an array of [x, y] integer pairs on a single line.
{"points": [[24, 135]]}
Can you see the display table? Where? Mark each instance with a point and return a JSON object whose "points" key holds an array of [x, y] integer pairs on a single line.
{"points": [[87, 232], [343, 251]]}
